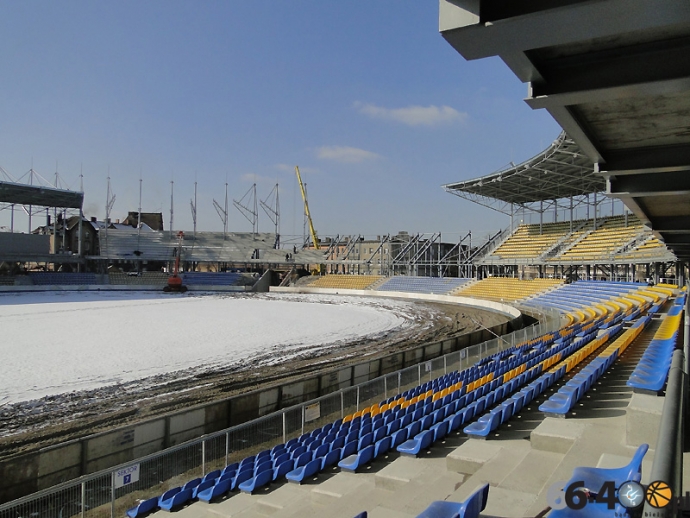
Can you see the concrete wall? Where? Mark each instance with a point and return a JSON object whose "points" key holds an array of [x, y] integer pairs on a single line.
{"points": [[29, 473]]}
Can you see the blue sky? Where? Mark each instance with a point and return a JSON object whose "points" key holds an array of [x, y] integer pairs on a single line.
{"points": [[366, 97]]}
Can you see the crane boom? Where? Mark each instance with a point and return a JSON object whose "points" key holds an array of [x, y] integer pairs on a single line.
{"points": [[312, 231]]}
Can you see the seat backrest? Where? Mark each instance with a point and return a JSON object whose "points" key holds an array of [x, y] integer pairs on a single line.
{"points": [[414, 429], [312, 467], [283, 468], [147, 505], [184, 495], [241, 477], [192, 483], [298, 451], [365, 441], [635, 466], [382, 446], [366, 454], [332, 457], [227, 474], [222, 487], [348, 449], [248, 460], [170, 493], [264, 466], [476, 502], [303, 459], [441, 430], [204, 486]]}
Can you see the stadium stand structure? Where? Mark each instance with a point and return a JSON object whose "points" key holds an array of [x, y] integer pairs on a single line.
{"points": [[617, 239], [478, 400]]}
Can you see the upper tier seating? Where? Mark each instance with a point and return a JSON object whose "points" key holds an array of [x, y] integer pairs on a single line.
{"points": [[611, 234], [529, 241]]}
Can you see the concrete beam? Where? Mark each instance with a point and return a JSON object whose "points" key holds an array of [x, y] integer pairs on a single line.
{"points": [[560, 26], [650, 184], [660, 159]]}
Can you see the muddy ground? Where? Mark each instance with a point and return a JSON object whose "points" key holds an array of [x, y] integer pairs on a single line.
{"points": [[32, 425]]}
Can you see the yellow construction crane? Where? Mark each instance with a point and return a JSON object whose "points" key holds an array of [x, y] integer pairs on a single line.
{"points": [[312, 231]]}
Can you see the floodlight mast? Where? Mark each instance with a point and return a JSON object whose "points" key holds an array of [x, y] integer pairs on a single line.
{"points": [[312, 231]]}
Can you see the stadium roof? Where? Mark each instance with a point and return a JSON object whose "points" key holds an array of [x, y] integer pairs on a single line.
{"points": [[561, 171], [615, 74], [22, 194]]}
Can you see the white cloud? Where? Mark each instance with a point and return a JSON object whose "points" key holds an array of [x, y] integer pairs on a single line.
{"points": [[345, 154], [291, 169], [413, 115]]}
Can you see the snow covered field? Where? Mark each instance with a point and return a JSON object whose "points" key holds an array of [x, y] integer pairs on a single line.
{"points": [[51, 343]]}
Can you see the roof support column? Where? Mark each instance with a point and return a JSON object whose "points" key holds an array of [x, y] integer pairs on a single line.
{"points": [[555, 211], [541, 215], [571, 213], [595, 211]]}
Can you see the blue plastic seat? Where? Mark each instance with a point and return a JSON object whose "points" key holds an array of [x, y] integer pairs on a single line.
{"points": [[382, 446], [280, 459], [225, 474], [203, 486], [331, 458], [176, 500], [169, 494], [303, 459], [298, 451], [144, 507], [470, 508], [322, 450], [261, 479], [309, 469], [485, 424], [339, 442], [419, 442], [427, 421], [214, 492], [595, 477], [414, 428], [440, 430], [361, 458], [398, 437], [284, 467], [241, 477], [212, 475], [348, 449], [379, 434], [365, 441]]}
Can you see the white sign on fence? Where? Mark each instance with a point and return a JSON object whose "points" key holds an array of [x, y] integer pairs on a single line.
{"points": [[312, 412], [126, 475]]}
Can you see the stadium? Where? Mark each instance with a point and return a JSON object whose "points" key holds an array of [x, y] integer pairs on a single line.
{"points": [[542, 372]]}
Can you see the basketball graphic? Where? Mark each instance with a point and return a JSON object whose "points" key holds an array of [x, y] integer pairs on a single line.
{"points": [[658, 494]]}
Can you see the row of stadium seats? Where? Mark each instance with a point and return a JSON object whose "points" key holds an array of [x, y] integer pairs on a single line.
{"points": [[507, 289], [628, 240], [492, 390]]}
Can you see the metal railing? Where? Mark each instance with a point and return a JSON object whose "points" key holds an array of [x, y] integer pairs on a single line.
{"points": [[111, 492]]}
